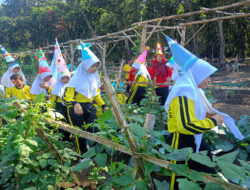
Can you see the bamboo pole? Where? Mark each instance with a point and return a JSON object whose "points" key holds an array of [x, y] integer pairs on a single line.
{"points": [[195, 34], [214, 19], [123, 124], [194, 13], [129, 38], [143, 37]]}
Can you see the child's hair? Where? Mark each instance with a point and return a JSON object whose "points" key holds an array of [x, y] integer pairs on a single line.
{"points": [[16, 76]]}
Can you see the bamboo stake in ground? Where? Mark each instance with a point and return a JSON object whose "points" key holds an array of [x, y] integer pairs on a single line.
{"points": [[125, 127]]}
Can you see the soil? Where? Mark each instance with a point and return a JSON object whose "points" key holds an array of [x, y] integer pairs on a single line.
{"points": [[232, 102]]}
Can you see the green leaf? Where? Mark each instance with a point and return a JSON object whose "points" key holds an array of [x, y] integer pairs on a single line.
{"points": [[11, 114], [213, 186], [230, 157], [31, 188], [46, 155], [31, 142], [28, 178], [224, 145], [194, 175], [205, 160], [52, 162], [184, 184], [180, 169], [24, 150], [180, 154], [107, 115], [50, 187], [90, 153], [81, 166], [141, 185], [43, 163], [124, 180], [149, 167], [137, 130], [39, 98], [136, 118], [160, 185], [23, 170], [245, 165], [101, 159], [65, 169], [231, 171]]}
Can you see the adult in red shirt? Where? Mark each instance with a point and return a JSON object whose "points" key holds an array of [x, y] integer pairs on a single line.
{"points": [[160, 73]]}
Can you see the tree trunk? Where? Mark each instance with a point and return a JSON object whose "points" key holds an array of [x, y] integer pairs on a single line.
{"points": [[222, 43], [193, 29]]}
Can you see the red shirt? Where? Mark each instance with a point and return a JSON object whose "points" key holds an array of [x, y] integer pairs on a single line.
{"points": [[159, 78], [132, 74]]}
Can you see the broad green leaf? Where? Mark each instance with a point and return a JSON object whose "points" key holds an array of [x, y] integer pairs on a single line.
{"points": [[149, 167], [81, 166], [50, 187], [242, 155], [224, 145], [245, 165], [39, 98], [46, 155], [52, 162], [160, 185], [23, 170], [141, 185], [24, 150], [28, 178], [230, 157], [43, 163], [107, 115], [31, 188], [101, 159], [65, 169], [31, 142], [124, 180], [12, 114], [167, 147], [205, 160], [231, 171], [90, 153], [180, 169], [179, 155], [213, 186], [194, 175], [136, 118], [184, 184], [137, 130]]}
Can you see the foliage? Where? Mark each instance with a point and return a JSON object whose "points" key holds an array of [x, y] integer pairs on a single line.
{"points": [[26, 161]]}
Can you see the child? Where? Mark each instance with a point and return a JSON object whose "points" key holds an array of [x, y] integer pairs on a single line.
{"points": [[63, 78], [160, 73], [138, 91], [19, 90], [13, 68], [83, 88], [188, 116], [44, 80]]}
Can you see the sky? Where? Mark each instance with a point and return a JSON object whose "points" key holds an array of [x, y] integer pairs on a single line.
{"points": [[1, 1]]}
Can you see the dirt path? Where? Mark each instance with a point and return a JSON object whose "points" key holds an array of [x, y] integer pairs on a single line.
{"points": [[234, 103]]}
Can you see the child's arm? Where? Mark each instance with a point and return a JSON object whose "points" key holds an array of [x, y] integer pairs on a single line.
{"points": [[186, 120], [99, 100]]}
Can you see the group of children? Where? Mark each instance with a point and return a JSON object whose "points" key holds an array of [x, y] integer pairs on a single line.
{"points": [[189, 112], [139, 73]]}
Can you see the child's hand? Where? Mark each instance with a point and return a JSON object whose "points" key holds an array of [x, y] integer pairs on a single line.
{"points": [[219, 119], [45, 86], [78, 109], [168, 79]]}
